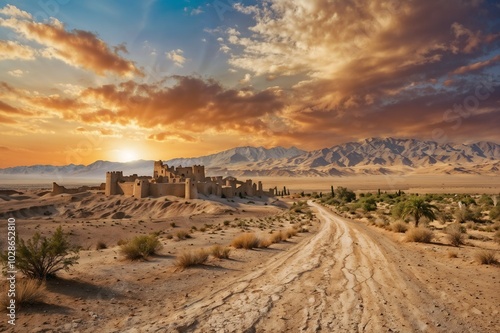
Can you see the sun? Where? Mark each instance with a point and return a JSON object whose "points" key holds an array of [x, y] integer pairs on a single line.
{"points": [[126, 155]]}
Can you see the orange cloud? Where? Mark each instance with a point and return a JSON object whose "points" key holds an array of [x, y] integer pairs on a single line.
{"points": [[191, 103], [14, 50], [477, 66], [77, 47], [167, 136]]}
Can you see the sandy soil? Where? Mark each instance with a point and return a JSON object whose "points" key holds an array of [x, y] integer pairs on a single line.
{"points": [[342, 276], [411, 183]]}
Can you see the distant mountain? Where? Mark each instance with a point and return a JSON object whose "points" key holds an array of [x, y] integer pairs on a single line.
{"points": [[370, 156], [240, 155]]}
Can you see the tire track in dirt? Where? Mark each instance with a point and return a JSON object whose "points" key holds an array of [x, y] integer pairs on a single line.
{"points": [[345, 278]]}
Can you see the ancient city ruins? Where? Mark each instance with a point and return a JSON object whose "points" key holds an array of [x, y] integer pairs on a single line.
{"points": [[184, 182]]}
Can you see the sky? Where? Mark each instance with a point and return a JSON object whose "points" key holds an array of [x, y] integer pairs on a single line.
{"points": [[125, 79]]}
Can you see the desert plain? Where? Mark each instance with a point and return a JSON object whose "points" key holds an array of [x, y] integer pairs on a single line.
{"points": [[338, 271]]}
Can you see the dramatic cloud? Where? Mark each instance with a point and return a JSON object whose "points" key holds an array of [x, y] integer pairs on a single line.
{"points": [[14, 50], [77, 47], [365, 66], [190, 104]]}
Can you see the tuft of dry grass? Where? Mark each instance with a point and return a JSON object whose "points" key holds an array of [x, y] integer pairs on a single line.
{"points": [[265, 243], [399, 226], [289, 233], [419, 235], [486, 257], [277, 237], [455, 235], [141, 247], [28, 292], [220, 252], [452, 254], [191, 258], [182, 234], [246, 241]]}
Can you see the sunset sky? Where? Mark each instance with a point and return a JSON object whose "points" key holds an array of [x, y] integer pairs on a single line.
{"points": [[121, 79]]}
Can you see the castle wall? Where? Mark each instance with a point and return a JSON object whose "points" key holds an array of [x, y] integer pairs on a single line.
{"points": [[164, 189], [58, 189], [141, 188], [126, 188], [227, 191]]}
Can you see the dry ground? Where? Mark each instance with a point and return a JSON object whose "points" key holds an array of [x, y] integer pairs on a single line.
{"points": [[342, 276]]}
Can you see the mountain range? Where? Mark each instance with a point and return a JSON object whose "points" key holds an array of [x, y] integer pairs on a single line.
{"points": [[370, 156]]}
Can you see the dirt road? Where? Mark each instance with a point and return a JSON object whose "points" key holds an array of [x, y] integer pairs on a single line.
{"points": [[347, 277]]}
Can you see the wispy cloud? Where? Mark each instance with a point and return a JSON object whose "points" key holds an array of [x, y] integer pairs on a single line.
{"points": [[177, 57], [77, 47]]}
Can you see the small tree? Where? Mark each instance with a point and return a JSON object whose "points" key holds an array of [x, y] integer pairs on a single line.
{"points": [[418, 208], [42, 257]]}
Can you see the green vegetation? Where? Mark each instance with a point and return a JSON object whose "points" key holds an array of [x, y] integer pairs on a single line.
{"points": [[418, 208], [41, 257]]}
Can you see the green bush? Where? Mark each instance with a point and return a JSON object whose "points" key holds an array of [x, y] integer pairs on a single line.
{"points": [[141, 247], [41, 257]]}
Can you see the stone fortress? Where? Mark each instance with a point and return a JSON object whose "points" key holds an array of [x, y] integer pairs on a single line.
{"points": [[185, 182]]}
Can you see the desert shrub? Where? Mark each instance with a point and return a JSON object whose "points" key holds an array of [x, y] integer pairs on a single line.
{"points": [[41, 257], [191, 258], [277, 237], [463, 214], [182, 234], [443, 217], [265, 243], [419, 235], [220, 252], [101, 245], [486, 257], [345, 194], [495, 213], [173, 225], [485, 200], [455, 234], [141, 247], [246, 241], [28, 292], [289, 233], [496, 236], [369, 204], [400, 227], [397, 210]]}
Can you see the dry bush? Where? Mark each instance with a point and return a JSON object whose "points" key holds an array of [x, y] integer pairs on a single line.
{"points": [[400, 227], [141, 247], [277, 237], [191, 258], [455, 234], [220, 252], [28, 292], [246, 241], [289, 233], [182, 234], [265, 243], [101, 245], [419, 235], [486, 257], [452, 254]]}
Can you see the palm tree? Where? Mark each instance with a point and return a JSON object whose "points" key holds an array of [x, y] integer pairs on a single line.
{"points": [[418, 207]]}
